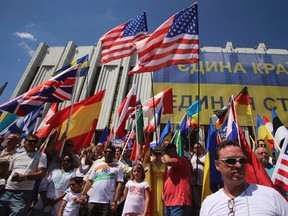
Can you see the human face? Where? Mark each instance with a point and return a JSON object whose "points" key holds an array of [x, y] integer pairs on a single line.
{"points": [[75, 188], [109, 155], [30, 144], [262, 155], [12, 141], [66, 163], [231, 174], [117, 153], [99, 148], [137, 173]]}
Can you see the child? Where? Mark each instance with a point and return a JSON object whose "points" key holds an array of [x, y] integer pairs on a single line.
{"points": [[4, 167], [137, 193], [71, 202]]}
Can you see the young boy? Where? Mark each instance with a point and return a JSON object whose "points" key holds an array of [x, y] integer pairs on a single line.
{"points": [[71, 202]]}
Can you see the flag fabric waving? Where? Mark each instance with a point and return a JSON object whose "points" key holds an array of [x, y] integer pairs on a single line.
{"points": [[185, 126], [280, 175], [211, 176], [193, 113], [118, 42], [263, 133], [44, 129], [242, 102], [83, 120], [232, 124], [84, 66], [178, 142], [164, 99], [151, 127], [280, 131], [2, 88], [221, 116], [124, 110], [165, 134], [175, 42], [45, 92]]}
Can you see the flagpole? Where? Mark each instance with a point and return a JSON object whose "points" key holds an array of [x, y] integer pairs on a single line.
{"points": [[71, 107], [154, 112]]}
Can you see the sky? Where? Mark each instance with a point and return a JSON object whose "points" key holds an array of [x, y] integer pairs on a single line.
{"points": [[25, 24]]}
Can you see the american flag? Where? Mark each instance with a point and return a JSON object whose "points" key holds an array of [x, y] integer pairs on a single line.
{"points": [[118, 42], [49, 91], [280, 175], [176, 41]]}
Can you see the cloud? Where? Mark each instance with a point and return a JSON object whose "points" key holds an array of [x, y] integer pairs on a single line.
{"points": [[25, 35], [24, 45]]}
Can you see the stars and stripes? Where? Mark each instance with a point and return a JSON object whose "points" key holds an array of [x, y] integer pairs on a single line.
{"points": [[176, 41], [118, 43]]}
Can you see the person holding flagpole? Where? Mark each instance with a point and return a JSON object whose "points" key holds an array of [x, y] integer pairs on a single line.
{"points": [[25, 168]]}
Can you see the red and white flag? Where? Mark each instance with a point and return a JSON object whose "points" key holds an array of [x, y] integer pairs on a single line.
{"points": [[44, 129], [175, 42], [151, 127], [268, 124], [280, 175], [164, 99], [124, 110]]}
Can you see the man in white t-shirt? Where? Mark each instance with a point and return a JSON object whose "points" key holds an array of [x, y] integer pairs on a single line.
{"points": [[237, 197], [26, 167], [106, 179]]}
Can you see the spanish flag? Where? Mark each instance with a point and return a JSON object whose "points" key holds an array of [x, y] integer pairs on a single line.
{"points": [[83, 120]]}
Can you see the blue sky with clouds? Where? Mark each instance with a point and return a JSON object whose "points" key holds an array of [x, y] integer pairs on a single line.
{"points": [[24, 24]]}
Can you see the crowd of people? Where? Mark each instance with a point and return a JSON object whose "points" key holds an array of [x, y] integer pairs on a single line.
{"points": [[102, 180]]}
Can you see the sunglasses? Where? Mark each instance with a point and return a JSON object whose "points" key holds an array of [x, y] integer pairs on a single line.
{"points": [[32, 141], [233, 161]]}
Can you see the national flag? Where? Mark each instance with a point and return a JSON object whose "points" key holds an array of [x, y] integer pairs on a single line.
{"points": [[268, 124], [124, 110], [84, 66], [185, 126], [280, 131], [45, 92], [193, 113], [151, 127], [24, 125], [7, 119], [175, 42], [242, 102], [263, 133], [255, 172], [2, 88], [165, 134], [280, 174], [110, 138], [44, 129], [84, 115], [232, 124], [178, 142], [164, 99], [211, 176], [104, 135], [221, 116], [118, 42], [139, 127]]}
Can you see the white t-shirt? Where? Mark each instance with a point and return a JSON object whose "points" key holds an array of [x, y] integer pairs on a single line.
{"points": [[105, 177], [73, 204], [199, 168], [258, 200], [135, 200], [20, 163]]}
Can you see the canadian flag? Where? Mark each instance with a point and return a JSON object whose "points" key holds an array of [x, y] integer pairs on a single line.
{"points": [[44, 129], [164, 99]]}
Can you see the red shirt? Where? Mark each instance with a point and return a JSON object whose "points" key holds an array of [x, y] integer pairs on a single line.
{"points": [[177, 188]]}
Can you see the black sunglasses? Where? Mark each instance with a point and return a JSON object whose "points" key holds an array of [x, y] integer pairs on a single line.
{"points": [[32, 141], [233, 161]]}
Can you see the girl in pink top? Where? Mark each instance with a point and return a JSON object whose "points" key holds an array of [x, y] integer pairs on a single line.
{"points": [[137, 193]]}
